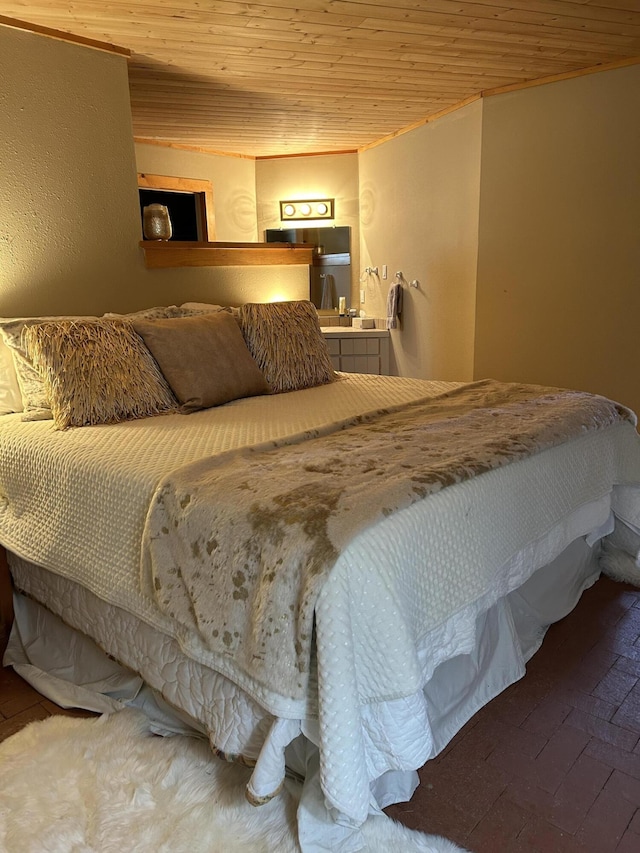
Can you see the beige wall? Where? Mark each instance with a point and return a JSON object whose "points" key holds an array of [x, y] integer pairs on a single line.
{"points": [[419, 214], [68, 219], [328, 176], [69, 211], [234, 193], [558, 291], [233, 179]]}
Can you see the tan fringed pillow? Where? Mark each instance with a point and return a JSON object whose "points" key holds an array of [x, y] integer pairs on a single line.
{"points": [[35, 402], [203, 358], [96, 372], [286, 341]]}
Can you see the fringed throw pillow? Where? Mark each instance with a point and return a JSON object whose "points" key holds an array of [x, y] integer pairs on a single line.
{"points": [[35, 401], [96, 372], [286, 341]]}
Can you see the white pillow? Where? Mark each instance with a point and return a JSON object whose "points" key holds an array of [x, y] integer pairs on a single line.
{"points": [[156, 313], [205, 308], [167, 312], [10, 396]]}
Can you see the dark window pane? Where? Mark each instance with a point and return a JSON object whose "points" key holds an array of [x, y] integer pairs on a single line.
{"points": [[182, 211]]}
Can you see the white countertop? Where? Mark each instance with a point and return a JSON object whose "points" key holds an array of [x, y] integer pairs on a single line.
{"points": [[350, 332]]}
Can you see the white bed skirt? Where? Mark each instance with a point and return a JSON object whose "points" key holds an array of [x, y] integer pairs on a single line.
{"points": [[73, 671]]}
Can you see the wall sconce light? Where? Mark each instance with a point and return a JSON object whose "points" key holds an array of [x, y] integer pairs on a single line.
{"points": [[317, 208]]}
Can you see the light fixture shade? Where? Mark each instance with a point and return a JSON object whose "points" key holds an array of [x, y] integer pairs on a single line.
{"points": [[317, 208]]}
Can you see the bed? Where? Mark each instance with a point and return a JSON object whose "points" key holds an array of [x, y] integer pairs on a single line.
{"points": [[351, 619]]}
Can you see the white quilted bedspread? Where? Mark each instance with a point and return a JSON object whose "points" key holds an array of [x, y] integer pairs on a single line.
{"points": [[76, 502]]}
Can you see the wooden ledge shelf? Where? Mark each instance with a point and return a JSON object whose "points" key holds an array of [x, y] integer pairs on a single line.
{"points": [[160, 254]]}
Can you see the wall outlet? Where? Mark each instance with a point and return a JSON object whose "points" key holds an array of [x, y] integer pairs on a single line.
{"points": [[363, 294]]}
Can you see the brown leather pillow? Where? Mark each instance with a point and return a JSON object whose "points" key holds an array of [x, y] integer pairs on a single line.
{"points": [[203, 358]]}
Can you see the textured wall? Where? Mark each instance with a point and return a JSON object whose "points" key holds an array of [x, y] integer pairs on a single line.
{"points": [[69, 212], [233, 179], [558, 292], [327, 176], [419, 214], [68, 218]]}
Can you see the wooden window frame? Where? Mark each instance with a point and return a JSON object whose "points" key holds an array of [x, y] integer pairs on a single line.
{"points": [[202, 190]]}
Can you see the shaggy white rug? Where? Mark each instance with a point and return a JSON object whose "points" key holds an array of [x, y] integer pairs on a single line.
{"points": [[105, 785]]}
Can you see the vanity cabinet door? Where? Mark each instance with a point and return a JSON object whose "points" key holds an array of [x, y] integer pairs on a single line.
{"points": [[359, 352]]}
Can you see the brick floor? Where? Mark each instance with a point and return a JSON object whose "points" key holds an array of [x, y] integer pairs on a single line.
{"points": [[552, 765], [21, 704]]}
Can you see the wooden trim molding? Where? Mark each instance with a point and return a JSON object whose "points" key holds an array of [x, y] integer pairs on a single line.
{"points": [[204, 189], [15, 24], [184, 146], [421, 122], [501, 90], [161, 254], [306, 154], [567, 75]]}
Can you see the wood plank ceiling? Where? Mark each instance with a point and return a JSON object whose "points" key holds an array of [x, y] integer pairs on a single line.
{"points": [[285, 77]]}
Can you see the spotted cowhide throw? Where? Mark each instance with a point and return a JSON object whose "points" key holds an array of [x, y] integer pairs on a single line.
{"points": [[237, 546]]}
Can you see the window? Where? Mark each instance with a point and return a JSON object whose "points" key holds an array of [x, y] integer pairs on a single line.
{"points": [[190, 204]]}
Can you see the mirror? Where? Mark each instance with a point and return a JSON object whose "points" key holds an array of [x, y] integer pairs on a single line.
{"points": [[330, 274]]}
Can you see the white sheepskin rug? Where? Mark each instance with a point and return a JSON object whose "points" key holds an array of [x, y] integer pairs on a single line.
{"points": [[106, 785]]}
